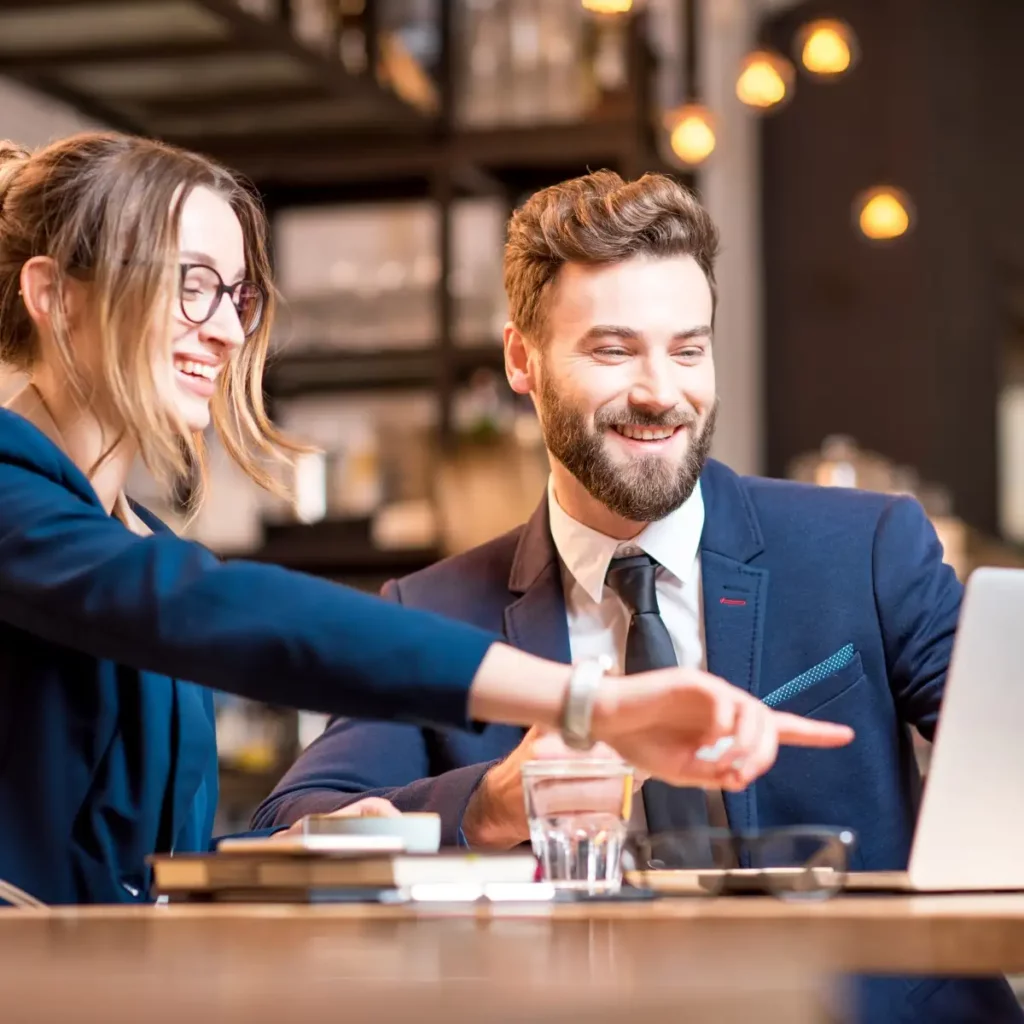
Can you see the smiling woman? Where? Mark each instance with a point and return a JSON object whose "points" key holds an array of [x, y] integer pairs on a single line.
{"points": [[132, 263]]}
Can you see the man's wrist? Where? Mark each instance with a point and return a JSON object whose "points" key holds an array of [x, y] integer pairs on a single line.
{"points": [[484, 824]]}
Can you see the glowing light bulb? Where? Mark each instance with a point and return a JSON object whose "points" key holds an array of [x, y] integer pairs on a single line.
{"points": [[765, 79], [607, 6], [691, 133], [828, 47], [883, 213]]}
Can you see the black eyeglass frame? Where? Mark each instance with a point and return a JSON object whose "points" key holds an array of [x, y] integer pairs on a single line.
{"points": [[222, 290]]}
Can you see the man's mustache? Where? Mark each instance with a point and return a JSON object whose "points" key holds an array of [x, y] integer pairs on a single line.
{"points": [[670, 419]]}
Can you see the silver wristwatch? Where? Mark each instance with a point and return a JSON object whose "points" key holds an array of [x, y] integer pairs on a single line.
{"points": [[578, 709]]}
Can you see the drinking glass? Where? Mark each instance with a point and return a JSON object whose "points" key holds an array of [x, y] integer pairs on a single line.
{"points": [[579, 811]]}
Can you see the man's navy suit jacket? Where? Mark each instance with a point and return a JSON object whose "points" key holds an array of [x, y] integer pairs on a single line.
{"points": [[843, 591]]}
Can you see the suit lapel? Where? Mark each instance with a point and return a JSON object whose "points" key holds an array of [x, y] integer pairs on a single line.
{"points": [[734, 595], [536, 621]]}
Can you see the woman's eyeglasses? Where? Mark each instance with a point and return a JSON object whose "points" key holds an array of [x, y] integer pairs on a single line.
{"points": [[202, 289]]}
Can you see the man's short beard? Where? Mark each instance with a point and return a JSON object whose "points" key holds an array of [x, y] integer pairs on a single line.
{"points": [[645, 489]]}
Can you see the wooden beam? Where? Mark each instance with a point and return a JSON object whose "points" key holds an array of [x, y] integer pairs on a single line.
{"points": [[233, 101], [290, 375], [554, 143], [329, 71], [292, 160], [321, 156], [43, 61], [281, 196]]}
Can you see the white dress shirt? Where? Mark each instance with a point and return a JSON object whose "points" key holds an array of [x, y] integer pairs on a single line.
{"points": [[598, 619]]}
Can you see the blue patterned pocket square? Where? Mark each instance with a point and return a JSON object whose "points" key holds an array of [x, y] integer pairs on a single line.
{"points": [[807, 679]]}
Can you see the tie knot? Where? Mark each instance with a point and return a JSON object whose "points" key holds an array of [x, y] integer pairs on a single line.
{"points": [[632, 578]]}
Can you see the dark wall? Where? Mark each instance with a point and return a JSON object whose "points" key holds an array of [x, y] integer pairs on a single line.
{"points": [[898, 344]]}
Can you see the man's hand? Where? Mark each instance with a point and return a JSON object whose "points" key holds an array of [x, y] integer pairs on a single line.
{"points": [[369, 807], [663, 721], [496, 816]]}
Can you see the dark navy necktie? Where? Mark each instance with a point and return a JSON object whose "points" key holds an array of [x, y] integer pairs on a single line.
{"points": [[648, 647]]}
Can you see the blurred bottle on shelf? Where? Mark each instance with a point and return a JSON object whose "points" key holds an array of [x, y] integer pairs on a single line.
{"points": [[376, 461], [522, 62], [607, 59], [562, 28], [343, 482], [483, 63], [526, 94]]}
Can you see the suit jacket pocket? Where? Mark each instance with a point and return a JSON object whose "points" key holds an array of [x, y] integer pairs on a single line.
{"points": [[810, 690]]}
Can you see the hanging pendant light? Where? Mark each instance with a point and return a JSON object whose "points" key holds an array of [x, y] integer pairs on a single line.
{"points": [[691, 133], [827, 48], [766, 80], [691, 125], [883, 213]]}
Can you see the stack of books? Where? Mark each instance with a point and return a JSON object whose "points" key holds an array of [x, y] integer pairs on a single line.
{"points": [[313, 869]]}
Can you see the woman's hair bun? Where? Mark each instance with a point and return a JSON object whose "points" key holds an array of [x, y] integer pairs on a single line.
{"points": [[12, 159]]}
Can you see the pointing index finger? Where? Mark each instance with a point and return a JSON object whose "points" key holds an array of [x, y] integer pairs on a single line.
{"points": [[796, 731]]}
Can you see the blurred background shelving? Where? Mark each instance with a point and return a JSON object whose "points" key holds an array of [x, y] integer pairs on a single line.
{"points": [[390, 139]]}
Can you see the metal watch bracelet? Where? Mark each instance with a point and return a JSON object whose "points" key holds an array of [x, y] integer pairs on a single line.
{"points": [[578, 709]]}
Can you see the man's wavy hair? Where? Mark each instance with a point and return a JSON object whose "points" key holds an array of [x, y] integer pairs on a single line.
{"points": [[599, 219]]}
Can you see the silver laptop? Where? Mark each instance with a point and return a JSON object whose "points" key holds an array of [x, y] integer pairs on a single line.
{"points": [[970, 830]]}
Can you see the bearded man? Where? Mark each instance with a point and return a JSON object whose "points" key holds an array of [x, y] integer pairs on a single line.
{"points": [[827, 603]]}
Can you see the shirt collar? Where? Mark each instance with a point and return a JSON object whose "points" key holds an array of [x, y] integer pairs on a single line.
{"points": [[673, 542]]}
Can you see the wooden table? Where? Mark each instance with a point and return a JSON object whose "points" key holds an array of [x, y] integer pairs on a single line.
{"points": [[672, 960]]}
